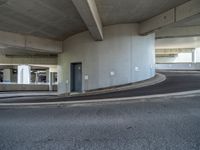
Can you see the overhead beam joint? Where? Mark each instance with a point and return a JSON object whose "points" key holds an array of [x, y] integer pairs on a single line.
{"points": [[89, 13]]}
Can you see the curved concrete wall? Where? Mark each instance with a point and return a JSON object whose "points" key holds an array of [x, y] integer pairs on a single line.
{"points": [[131, 57]]}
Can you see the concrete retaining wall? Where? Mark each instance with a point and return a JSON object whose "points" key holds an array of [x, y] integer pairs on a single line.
{"points": [[28, 87], [178, 66]]}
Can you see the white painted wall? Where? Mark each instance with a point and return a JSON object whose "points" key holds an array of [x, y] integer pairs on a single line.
{"points": [[131, 57], [184, 57]]}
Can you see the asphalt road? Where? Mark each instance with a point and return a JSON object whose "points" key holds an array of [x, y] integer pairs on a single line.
{"points": [[157, 124], [175, 82]]}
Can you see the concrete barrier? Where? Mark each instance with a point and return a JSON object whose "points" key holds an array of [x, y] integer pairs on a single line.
{"points": [[25, 87], [178, 66]]}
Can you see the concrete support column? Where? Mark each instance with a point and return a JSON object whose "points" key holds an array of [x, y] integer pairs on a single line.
{"points": [[36, 77], [53, 77], [24, 74], [50, 81], [194, 56], [47, 75], [7, 75]]}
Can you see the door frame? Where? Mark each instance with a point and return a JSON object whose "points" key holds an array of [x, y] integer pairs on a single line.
{"points": [[72, 80]]}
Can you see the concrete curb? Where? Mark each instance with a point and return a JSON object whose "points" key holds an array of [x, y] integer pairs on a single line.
{"points": [[136, 99]]}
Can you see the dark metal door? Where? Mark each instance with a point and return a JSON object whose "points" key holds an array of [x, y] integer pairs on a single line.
{"points": [[76, 77]]}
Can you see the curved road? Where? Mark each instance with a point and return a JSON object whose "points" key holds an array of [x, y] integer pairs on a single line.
{"points": [[169, 123], [175, 82], [157, 124]]}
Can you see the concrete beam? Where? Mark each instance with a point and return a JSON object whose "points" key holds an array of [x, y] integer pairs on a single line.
{"points": [[187, 10], [173, 51], [32, 60], [173, 16], [174, 43], [25, 42], [89, 13], [157, 22], [174, 32]]}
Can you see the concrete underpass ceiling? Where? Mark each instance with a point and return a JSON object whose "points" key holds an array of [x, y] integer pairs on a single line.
{"points": [[132, 11], [59, 19], [194, 21], [46, 18]]}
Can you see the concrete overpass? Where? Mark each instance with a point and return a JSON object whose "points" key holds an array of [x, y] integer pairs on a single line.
{"points": [[105, 39], [100, 55]]}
